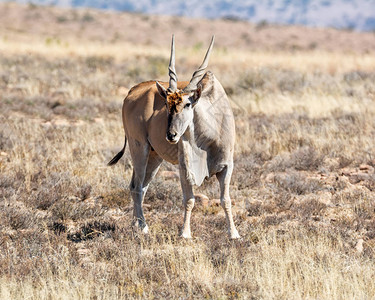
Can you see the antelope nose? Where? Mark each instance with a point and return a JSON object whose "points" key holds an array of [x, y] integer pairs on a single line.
{"points": [[171, 135]]}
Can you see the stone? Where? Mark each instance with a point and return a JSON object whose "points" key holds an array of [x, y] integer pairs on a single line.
{"points": [[170, 175], [359, 246], [202, 199], [364, 167]]}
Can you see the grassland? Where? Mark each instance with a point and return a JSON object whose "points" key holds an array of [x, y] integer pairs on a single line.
{"points": [[303, 185]]}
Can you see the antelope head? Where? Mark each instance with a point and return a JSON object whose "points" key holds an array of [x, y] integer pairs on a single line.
{"points": [[180, 103]]}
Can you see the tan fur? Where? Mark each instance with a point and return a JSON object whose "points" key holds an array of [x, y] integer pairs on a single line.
{"points": [[174, 101]]}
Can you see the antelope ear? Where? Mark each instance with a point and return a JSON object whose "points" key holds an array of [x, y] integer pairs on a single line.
{"points": [[204, 87], [197, 94], [162, 90]]}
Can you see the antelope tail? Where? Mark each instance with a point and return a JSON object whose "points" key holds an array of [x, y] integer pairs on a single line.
{"points": [[118, 155]]}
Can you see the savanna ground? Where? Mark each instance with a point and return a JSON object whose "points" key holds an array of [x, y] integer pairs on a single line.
{"points": [[303, 185]]}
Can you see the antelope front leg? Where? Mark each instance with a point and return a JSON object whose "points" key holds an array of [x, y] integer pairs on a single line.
{"points": [[188, 196], [137, 192], [139, 221], [225, 201]]}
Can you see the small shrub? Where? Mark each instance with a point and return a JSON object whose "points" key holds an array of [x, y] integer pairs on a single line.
{"points": [[290, 81], [17, 217], [370, 183], [262, 24], [157, 65], [61, 19], [296, 183], [309, 207], [364, 207], [303, 159], [252, 80], [255, 209], [75, 209], [247, 172], [355, 76], [95, 62], [87, 17], [272, 220], [344, 161], [44, 198], [85, 191], [167, 191], [107, 250], [117, 198], [306, 158]]}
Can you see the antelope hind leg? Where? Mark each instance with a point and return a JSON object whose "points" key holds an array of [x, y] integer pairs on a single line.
{"points": [[225, 201], [188, 200]]}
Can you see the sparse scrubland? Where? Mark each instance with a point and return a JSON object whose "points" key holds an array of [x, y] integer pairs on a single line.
{"points": [[303, 186]]}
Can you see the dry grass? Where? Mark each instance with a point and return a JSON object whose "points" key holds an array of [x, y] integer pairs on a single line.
{"points": [[303, 184]]}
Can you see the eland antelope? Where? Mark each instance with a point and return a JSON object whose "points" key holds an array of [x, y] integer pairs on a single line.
{"points": [[186, 123]]}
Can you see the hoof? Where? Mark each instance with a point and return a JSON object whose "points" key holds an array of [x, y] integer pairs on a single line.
{"points": [[234, 235], [145, 230], [141, 228], [185, 235]]}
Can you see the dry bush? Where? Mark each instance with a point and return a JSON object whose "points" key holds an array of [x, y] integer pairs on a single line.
{"points": [[17, 218], [306, 159], [302, 159], [296, 183], [370, 182], [116, 198], [364, 207], [255, 209], [247, 171], [309, 207], [168, 191], [75, 209]]}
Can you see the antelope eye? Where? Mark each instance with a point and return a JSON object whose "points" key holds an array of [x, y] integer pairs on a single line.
{"points": [[187, 104]]}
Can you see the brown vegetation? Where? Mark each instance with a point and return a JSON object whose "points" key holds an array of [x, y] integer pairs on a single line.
{"points": [[303, 185]]}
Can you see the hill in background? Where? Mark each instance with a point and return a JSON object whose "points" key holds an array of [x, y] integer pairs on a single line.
{"points": [[343, 14], [26, 22]]}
